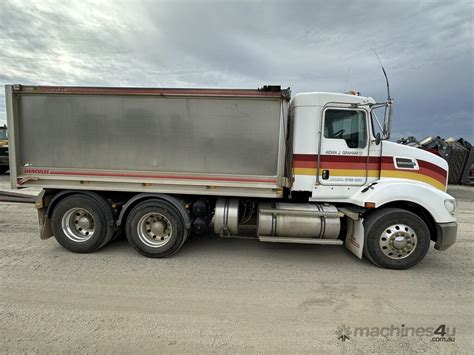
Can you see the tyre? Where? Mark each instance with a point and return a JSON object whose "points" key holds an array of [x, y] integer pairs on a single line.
{"points": [[82, 224], [456, 162], [155, 229], [395, 238]]}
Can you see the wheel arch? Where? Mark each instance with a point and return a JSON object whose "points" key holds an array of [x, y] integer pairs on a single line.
{"points": [[407, 193], [64, 193], [415, 208]]}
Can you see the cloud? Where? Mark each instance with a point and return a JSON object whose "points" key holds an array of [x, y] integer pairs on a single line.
{"points": [[426, 48]]}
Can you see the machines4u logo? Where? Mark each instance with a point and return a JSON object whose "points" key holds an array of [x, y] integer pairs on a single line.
{"points": [[343, 333], [441, 333]]}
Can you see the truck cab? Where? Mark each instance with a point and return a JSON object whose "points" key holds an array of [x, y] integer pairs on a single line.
{"points": [[4, 160], [335, 144], [339, 157]]}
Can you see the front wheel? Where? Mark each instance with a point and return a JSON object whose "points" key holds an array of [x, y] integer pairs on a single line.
{"points": [[395, 238], [155, 229]]}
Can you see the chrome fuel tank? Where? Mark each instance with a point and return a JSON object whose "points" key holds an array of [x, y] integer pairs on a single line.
{"points": [[298, 220]]}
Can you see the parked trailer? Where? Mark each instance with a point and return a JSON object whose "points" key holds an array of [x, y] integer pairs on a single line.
{"points": [[4, 161], [161, 164]]}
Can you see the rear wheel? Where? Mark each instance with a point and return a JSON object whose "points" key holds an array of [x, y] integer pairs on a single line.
{"points": [[80, 223], [395, 238], [155, 229]]}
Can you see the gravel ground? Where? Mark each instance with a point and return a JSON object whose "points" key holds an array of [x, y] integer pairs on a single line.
{"points": [[224, 295]]}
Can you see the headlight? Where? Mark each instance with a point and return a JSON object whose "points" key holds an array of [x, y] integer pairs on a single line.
{"points": [[450, 206]]}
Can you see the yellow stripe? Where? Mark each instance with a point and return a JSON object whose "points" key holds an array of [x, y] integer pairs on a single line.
{"points": [[304, 171], [412, 176], [354, 172], [337, 172], [375, 173]]}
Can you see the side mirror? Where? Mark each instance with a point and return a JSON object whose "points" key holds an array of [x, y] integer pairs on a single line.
{"points": [[387, 124], [378, 138]]}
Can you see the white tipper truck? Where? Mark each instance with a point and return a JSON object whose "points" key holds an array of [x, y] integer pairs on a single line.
{"points": [[159, 164]]}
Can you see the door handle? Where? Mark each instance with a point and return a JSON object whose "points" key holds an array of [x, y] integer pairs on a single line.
{"points": [[325, 174]]}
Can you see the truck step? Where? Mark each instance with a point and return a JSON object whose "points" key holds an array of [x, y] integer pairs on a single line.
{"points": [[300, 240]]}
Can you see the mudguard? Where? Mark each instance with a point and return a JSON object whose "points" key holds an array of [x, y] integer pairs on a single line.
{"points": [[392, 190]]}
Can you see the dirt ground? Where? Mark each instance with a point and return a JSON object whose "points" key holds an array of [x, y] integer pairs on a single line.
{"points": [[224, 295]]}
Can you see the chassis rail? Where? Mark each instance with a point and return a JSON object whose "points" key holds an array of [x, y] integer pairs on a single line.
{"points": [[17, 197]]}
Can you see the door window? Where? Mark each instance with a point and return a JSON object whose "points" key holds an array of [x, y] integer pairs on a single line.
{"points": [[349, 125]]}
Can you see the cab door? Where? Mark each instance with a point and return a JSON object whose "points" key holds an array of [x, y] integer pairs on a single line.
{"points": [[344, 148]]}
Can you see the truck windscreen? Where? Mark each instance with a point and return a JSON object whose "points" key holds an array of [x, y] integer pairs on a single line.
{"points": [[3, 134]]}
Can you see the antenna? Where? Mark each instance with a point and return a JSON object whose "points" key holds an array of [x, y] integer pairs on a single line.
{"points": [[347, 78], [387, 122], [384, 73]]}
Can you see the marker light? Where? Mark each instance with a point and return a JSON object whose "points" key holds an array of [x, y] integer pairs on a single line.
{"points": [[450, 207], [353, 92]]}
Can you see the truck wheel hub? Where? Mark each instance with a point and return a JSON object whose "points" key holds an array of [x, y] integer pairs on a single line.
{"points": [[84, 223], [154, 230], [398, 241], [78, 225], [157, 228]]}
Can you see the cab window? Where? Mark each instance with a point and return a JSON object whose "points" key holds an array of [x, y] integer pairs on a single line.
{"points": [[349, 125]]}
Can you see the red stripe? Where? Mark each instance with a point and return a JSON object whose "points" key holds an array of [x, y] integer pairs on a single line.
{"points": [[349, 165], [177, 177], [358, 162], [305, 157], [154, 91], [336, 158], [440, 173], [305, 164], [363, 159], [424, 171], [335, 165], [433, 167], [421, 164], [349, 159], [354, 242], [433, 174]]}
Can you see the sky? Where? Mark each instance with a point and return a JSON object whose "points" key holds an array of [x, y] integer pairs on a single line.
{"points": [[426, 47]]}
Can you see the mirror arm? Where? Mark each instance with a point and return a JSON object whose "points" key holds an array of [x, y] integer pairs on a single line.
{"points": [[387, 124], [378, 138]]}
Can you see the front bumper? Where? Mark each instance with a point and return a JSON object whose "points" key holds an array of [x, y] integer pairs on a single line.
{"points": [[446, 235]]}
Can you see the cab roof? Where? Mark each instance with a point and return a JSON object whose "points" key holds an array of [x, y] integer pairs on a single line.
{"points": [[322, 98]]}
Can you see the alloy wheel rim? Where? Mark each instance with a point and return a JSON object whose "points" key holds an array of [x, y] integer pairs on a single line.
{"points": [[154, 230], [398, 241], [78, 225]]}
